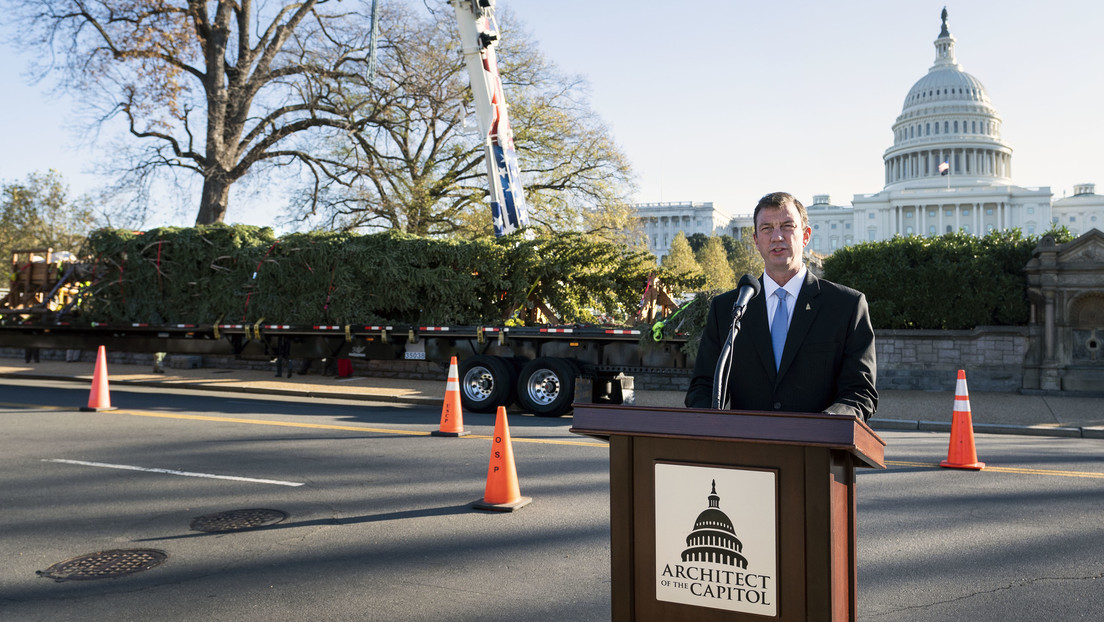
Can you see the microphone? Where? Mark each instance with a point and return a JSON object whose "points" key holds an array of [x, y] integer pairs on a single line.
{"points": [[749, 288]]}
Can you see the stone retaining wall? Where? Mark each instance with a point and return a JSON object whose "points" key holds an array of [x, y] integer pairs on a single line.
{"points": [[929, 360], [925, 360]]}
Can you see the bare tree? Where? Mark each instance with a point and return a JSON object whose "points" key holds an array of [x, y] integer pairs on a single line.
{"points": [[218, 88], [419, 164], [225, 89]]}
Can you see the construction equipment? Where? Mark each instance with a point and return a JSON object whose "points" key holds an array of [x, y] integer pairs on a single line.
{"points": [[478, 35], [40, 282]]}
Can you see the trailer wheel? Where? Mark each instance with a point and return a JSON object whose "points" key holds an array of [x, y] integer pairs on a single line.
{"points": [[486, 382], [546, 387]]}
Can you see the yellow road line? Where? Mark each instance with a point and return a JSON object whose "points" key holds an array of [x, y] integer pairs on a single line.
{"points": [[285, 424], [326, 426], [545, 441], [33, 406], [1023, 471], [552, 441], [317, 426], [999, 469]]}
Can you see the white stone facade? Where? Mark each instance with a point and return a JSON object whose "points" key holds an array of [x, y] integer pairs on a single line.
{"points": [[977, 211], [1081, 212], [833, 225], [662, 221]]}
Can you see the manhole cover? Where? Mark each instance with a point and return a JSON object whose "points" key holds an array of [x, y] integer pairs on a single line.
{"points": [[105, 565], [237, 520]]}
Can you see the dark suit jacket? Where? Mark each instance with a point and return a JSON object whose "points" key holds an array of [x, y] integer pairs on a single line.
{"points": [[828, 363]]}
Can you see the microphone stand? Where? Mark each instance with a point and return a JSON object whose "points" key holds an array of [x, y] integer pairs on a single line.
{"points": [[724, 363]]}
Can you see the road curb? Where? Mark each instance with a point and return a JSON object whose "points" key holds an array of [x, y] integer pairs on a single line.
{"points": [[989, 428], [1095, 431], [894, 424]]}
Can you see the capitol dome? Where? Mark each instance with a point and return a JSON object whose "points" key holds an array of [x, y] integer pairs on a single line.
{"points": [[947, 127], [946, 83]]}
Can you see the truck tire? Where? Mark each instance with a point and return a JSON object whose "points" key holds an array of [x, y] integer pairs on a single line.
{"points": [[486, 382], [546, 387]]}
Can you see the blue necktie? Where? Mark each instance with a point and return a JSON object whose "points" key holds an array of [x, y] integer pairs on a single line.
{"points": [[779, 326]]}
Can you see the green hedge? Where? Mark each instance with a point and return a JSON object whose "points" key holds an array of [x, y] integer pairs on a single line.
{"points": [[242, 274], [955, 281]]}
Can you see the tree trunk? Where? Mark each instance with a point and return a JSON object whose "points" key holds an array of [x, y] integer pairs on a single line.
{"points": [[214, 200]]}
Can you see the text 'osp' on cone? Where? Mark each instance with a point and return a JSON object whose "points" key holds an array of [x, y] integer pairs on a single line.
{"points": [[502, 493], [452, 419]]}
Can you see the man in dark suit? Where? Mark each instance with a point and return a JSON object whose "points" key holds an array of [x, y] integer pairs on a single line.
{"points": [[827, 362]]}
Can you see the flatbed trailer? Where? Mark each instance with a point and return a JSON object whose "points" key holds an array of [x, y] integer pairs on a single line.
{"points": [[543, 368]]}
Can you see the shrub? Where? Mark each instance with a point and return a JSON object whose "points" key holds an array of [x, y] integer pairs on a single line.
{"points": [[955, 281]]}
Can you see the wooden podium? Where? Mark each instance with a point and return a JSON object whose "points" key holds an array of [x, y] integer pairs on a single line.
{"points": [[774, 496]]}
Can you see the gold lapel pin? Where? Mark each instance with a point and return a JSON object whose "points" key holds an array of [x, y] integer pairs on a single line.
{"points": [[808, 307]]}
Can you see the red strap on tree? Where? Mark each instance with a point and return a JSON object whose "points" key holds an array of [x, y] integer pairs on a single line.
{"points": [[260, 263]]}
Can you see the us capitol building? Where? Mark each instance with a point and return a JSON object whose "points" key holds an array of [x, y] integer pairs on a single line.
{"points": [[947, 170]]}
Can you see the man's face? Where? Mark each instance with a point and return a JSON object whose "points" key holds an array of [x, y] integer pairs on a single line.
{"points": [[781, 239]]}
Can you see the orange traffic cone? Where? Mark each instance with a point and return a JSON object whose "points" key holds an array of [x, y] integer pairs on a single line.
{"points": [[502, 493], [452, 419], [100, 398], [962, 454]]}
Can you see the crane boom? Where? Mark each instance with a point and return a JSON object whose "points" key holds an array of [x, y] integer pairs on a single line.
{"points": [[478, 36]]}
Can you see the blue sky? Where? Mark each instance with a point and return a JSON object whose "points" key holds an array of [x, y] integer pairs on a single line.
{"points": [[715, 100]]}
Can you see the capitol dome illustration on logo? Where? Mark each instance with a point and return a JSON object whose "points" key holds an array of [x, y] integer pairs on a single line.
{"points": [[713, 538]]}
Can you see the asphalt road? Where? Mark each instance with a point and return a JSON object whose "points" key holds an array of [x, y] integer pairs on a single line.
{"points": [[379, 527]]}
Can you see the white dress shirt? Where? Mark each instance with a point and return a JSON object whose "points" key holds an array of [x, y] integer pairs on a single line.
{"points": [[792, 287]]}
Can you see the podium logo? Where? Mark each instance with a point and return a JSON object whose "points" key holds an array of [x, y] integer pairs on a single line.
{"points": [[728, 559], [713, 538]]}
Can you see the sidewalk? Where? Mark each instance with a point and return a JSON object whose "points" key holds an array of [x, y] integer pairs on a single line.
{"points": [[992, 413]]}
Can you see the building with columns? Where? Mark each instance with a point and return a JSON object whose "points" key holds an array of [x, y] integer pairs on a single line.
{"points": [[1081, 212], [662, 221], [948, 169], [833, 225]]}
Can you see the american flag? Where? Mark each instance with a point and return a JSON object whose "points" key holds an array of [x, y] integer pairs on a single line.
{"points": [[944, 168]]}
